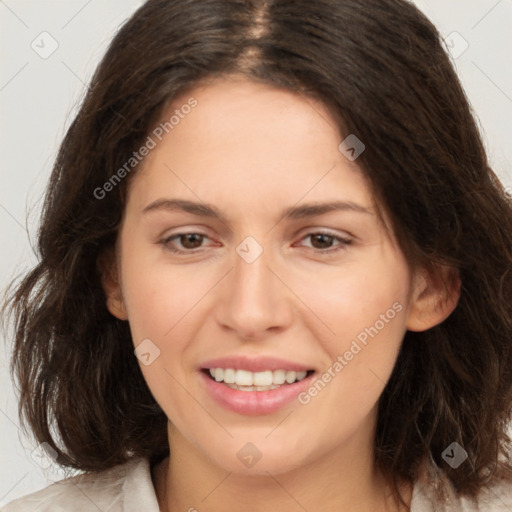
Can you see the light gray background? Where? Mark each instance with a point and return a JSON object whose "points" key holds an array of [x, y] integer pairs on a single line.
{"points": [[38, 98]]}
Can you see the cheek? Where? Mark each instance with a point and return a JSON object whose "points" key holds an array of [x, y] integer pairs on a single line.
{"points": [[364, 308], [165, 310], [159, 296], [348, 301], [162, 304]]}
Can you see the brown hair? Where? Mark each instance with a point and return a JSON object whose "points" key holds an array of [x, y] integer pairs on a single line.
{"points": [[381, 68]]}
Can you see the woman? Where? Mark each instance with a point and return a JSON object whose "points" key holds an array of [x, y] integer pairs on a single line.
{"points": [[274, 272]]}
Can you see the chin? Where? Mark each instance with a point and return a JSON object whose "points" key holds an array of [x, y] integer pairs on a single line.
{"points": [[258, 458]]}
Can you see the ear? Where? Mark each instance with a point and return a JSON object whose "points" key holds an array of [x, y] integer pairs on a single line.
{"points": [[435, 295], [108, 269]]}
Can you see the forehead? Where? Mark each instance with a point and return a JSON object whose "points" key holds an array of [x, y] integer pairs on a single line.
{"points": [[252, 140]]}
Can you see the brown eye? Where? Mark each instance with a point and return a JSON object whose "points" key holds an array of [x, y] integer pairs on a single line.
{"points": [[326, 242], [321, 240], [184, 242], [191, 240]]}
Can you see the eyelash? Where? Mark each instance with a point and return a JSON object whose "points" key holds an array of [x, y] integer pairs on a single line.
{"points": [[343, 242]]}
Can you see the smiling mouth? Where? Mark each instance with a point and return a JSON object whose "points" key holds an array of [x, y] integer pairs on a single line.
{"points": [[244, 380]]}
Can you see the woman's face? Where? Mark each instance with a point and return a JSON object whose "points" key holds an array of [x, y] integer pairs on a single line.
{"points": [[268, 281]]}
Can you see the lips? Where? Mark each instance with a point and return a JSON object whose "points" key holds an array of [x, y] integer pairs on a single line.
{"points": [[255, 364], [226, 381]]}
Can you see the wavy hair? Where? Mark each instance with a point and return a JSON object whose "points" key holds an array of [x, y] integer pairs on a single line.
{"points": [[381, 68]]}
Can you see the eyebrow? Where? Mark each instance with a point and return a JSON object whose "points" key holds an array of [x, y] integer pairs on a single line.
{"points": [[295, 212]]}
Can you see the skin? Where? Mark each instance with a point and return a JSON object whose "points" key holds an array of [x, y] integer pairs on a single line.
{"points": [[252, 151]]}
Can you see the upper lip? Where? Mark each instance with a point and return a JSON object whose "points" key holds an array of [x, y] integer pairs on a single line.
{"points": [[254, 364]]}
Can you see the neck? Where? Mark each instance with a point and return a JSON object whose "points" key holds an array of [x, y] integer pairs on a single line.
{"points": [[344, 479]]}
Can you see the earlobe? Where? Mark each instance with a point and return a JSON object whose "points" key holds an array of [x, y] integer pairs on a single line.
{"points": [[115, 305], [107, 267], [434, 297]]}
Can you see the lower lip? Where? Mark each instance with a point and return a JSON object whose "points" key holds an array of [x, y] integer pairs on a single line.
{"points": [[254, 402]]}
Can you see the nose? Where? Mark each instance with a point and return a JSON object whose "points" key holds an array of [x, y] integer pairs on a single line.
{"points": [[254, 301]]}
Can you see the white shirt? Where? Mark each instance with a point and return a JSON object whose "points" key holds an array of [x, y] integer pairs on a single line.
{"points": [[129, 488]]}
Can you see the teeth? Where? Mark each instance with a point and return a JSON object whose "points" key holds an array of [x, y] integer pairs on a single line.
{"points": [[243, 378], [262, 378], [279, 377], [252, 388], [229, 376], [290, 377], [255, 381], [301, 375]]}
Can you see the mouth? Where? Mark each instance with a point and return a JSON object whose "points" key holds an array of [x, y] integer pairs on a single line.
{"points": [[254, 384], [245, 380]]}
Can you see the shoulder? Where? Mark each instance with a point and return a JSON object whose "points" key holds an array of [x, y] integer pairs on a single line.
{"points": [[433, 492], [124, 488]]}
